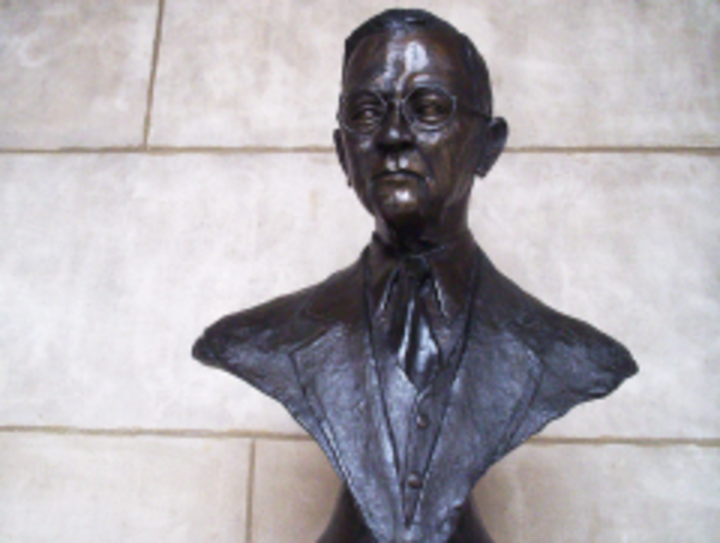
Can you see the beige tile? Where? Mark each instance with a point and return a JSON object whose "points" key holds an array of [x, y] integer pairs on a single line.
{"points": [[82, 489], [294, 492], [110, 266], [607, 494], [594, 74], [74, 73]]}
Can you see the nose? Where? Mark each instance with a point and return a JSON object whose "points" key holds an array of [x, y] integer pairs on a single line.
{"points": [[394, 133]]}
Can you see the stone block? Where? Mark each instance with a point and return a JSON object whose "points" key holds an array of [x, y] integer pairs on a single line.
{"points": [[74, 73], [294, 491], [83, 489], [605, 493]]}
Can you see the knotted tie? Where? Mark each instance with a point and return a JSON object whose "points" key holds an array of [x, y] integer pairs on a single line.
{"points": [[410, 332]]}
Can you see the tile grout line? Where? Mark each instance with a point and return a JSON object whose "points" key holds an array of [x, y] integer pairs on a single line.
{"points": [[153, 73], [652, 442], [276, 436], [147, 149], [250, 494], [153, 432], [610, 149]]}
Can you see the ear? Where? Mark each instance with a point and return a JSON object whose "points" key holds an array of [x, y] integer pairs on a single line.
{"points": [[340, 152], [495, 138]]}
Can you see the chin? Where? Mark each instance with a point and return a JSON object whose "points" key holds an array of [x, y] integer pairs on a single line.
{"points": [[394, 211], [405, 223]]}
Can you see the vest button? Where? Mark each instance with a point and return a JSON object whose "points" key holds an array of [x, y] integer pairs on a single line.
{"points": [[422, 421], [414, 480]]}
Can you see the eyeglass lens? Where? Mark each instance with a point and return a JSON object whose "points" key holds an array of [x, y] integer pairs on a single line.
{"points": [[425, 108]]}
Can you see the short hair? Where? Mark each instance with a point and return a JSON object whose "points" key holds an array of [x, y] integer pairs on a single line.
{"points": [[399, 20]]}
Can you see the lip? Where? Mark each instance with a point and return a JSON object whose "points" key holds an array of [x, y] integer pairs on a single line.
{"points": [[398, 177]]}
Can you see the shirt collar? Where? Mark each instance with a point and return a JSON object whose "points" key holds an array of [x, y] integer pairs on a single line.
{"points": [[450, 265]]}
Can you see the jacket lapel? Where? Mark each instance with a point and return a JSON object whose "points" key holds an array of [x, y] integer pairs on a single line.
{"points": [[341, 387]]}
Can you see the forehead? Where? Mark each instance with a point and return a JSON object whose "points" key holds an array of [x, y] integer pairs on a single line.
{"points": [[390, 61]]}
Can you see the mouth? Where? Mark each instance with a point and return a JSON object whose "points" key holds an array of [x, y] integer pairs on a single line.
{"points": [[398, 177]]}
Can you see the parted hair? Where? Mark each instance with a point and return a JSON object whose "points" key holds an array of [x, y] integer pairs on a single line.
{"points": [[405, 20]]}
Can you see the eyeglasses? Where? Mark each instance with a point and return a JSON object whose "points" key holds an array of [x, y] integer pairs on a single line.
{"points": [[425, 109]]}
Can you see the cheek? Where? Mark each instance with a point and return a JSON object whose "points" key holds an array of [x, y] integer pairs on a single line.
{"points": [[434, 151], [452, 162], [443, 156], [359, 157], [467, 153], [358, 170]]}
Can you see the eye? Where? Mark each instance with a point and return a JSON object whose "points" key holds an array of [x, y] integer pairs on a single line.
{"points": [[362, 111], [429, 106]]}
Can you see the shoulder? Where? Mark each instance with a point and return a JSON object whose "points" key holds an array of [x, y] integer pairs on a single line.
{"points": [[573, 362], [576, 357], [278, 325]]}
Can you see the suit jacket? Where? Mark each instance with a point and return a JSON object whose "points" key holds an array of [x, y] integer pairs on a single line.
{"points": [[523, 365]]}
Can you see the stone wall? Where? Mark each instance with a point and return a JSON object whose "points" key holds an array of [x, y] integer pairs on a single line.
{"points": [[164, 162]]}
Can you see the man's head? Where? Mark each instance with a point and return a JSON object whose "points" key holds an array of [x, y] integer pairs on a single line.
{"points": [[416, 125]]}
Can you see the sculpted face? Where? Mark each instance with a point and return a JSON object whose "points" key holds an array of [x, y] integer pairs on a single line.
{"points": [[411, 139]]}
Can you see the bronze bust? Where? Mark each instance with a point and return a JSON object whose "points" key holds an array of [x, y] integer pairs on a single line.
{"points": [[420, 365]]}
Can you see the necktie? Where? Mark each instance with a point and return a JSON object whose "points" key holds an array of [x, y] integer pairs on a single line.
{"points": [[411, 334]]}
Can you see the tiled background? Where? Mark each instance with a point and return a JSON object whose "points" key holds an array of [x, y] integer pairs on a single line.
{"points": [[166, 162]]}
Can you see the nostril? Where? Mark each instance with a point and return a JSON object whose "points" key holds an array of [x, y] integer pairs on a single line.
{"points": [[394, 145], [395, 135]]}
